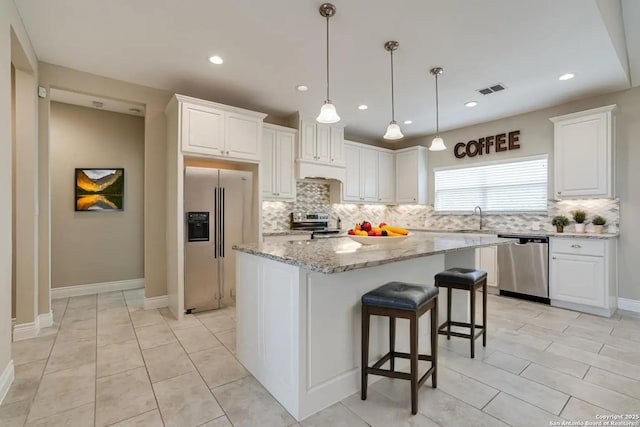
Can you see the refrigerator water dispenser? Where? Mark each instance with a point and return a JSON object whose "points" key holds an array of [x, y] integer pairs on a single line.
{"points": [[198, 226]]}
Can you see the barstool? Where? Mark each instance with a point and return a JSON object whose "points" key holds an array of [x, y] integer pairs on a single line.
{"points": [[469, 280], [407, 301]]}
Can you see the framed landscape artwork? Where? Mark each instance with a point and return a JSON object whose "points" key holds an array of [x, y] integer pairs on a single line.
{"points": [[99, 189]]}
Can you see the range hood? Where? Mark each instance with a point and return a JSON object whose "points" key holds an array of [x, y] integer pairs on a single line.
{"points": [[313, 170]]}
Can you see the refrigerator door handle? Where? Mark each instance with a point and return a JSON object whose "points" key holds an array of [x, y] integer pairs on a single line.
{"points": [[215, 223], [222, 223]]}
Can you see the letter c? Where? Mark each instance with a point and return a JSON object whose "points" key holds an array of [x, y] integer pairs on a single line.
{"points": [[456, 150]]}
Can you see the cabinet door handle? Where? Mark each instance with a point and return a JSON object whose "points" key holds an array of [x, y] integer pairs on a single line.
{"points": [[332, 160], [227, 152], [559, 192], [553, 257], [576, 246], [221, 151]]}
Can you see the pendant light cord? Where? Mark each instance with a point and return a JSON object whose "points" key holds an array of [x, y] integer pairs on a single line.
{"points": [[328, 99], [437, 108], [393, 108]]}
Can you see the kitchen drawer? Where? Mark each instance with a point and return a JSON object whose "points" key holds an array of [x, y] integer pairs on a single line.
{"points": [[578, 246]]}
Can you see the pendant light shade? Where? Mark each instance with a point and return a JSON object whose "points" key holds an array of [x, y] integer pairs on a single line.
{"points": [[393, 130], [437, 144], [328, 113]]}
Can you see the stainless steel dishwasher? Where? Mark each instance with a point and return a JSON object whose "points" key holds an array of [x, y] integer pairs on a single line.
{"points": [[523, 268]]}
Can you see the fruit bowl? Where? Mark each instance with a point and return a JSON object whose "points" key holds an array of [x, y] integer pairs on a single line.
{"points": [[379, 240]]}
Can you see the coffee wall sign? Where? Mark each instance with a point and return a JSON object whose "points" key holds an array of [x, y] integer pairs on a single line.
{"points": [[487, 144]]}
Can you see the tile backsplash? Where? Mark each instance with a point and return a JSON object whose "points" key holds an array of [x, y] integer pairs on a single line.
{"points": [[313, 196]]}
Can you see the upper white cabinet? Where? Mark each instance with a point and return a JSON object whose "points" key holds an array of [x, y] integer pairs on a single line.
{"points": [[583, 151], [411, 175], [582, 274], [321, 143], [369, 174], [386, 177], [277, 181], [216, 130]]}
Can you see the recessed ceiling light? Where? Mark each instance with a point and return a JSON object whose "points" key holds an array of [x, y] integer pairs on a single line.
{"points": [[471, 104], [567, 76], [408, 122], [302, 88], [215, 59], [363, 107]]}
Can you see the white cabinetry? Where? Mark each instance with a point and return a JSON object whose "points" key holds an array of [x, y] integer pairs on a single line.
{"points": [[369, 174], [277, 180], [582, 274], [583, 151], [216, 130], [321, 143], [411, 175], [386, 177], [487, 260]]}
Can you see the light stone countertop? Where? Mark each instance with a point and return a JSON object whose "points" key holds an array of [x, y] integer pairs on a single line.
{"points": [[343, 254], [288, 233], [531, 233]]}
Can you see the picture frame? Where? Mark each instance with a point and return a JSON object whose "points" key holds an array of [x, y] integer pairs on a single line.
{"points": [[99, 189]]}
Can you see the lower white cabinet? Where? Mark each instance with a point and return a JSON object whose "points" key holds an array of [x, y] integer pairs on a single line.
{"points": [[582, 274], [487, 260], [277, 180]]}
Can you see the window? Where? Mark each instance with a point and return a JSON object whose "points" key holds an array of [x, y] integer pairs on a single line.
{"points": [[516, 185]]}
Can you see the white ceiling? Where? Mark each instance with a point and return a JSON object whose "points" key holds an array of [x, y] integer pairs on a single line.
{"points": [[271, 46]]}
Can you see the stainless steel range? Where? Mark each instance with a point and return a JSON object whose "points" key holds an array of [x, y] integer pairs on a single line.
{"points": [[316, 222]]}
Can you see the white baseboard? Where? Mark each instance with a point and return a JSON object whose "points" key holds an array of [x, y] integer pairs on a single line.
{"points": [[6, 379], [44, 320], [156, 302], [629, 304], [24, 331], [96, 288]]}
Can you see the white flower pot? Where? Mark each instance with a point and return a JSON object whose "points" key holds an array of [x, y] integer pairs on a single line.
{"points": [[580, 228]]}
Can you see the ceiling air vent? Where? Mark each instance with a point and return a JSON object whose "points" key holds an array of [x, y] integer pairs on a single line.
{"points": [[492, 89]]}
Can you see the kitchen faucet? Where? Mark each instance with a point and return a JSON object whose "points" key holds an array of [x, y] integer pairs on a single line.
{"points": [[478, 208]]}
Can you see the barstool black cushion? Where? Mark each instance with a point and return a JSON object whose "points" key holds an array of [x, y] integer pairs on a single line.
{"points": [[400, 295], [460, 276]]}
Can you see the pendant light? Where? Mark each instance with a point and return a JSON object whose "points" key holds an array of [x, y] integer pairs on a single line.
{"points": [[393, 130], [438, 143], [328, 113]]}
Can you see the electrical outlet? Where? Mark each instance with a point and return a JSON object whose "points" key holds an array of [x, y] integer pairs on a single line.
{"points": [[42, 91]]}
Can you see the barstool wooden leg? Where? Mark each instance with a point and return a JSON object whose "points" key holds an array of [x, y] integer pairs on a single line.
{"points": [[365, 350], [434, 344], [473, 321], [449, 312], [413, 349], [392, 342], [484, 313]]}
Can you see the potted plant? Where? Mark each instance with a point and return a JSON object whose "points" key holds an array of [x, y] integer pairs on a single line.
{"points": [[579, 216], [598, 223], [560, 221]]}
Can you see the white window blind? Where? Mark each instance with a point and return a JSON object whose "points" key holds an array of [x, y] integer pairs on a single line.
{"points": [[516, 185]]}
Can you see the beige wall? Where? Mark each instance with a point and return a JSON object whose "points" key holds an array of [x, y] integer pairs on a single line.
{"points": [[9, 19], [95, 247], [155, 102], [537, 138]]}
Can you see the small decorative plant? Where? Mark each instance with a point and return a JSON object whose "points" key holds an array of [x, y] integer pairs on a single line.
{"points": [[579, 216], [560, 221], [598, 223]]}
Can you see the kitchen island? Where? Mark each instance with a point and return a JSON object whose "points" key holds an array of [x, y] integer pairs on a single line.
{"points": [[298, 308]]}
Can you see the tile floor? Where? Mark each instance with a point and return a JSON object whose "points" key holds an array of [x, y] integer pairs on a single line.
{"points": [[108, 362]]}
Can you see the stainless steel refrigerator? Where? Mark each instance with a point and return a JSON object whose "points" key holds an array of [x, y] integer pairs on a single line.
{"points": [[218, 205]]}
